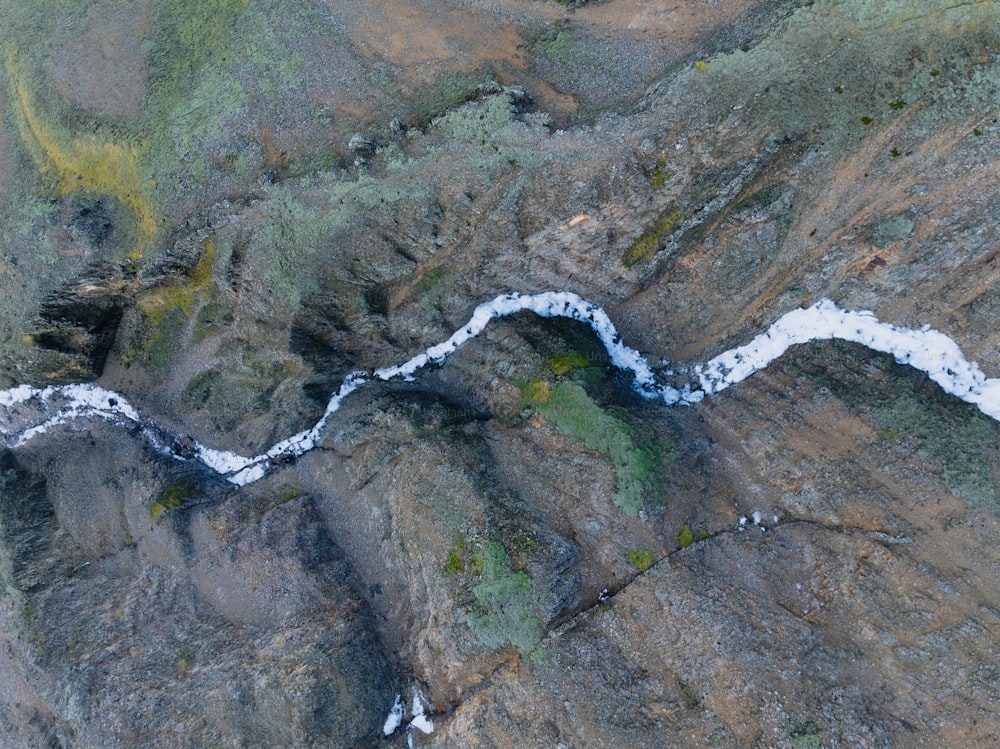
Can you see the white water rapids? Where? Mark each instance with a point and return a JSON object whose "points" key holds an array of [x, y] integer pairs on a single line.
{"points": [[27, 412]]}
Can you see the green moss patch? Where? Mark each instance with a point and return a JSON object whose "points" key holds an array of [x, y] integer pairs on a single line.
{"points": [[564, 362], [641, 559], [659, 176], [804, 735], [175, 495], [457, 558], [654, 238], [558, 45], [165, 311], [446, 93], [431, 288], [686, 537], [506, 608], [957, 443], [638, 459], [911, 412]]}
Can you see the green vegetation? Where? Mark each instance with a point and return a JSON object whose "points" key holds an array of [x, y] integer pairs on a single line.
{"points": [[637, 459], [455, 563], [686, 537], [505, 610], [880, 78], [185, 658], [431, 288], [446, 93], [186, 39], [166, 310], [457, 558], [959, 444], [430, 280], [383, 77], [475, 565], [525, 544], [158, 302], [660, 175], [175, 495], [641, 559], [90, 163], [891, 229], [563, 362], [212, 317], [207, 61], [487, 123], [652, 240], [558, 45], [804, 735], [910, 412]]}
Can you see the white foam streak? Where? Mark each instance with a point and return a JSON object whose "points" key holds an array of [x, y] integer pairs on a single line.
{"points": [[222, 461], [70, 403], [19, 394], [395, 717], [420, 721], [927, 350], [930, 351]]}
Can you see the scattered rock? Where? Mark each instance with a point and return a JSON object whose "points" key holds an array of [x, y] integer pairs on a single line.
{"points": [[362, 147]]}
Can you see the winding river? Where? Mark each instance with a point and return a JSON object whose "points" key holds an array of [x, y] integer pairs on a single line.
{"points": [[27, 412]]}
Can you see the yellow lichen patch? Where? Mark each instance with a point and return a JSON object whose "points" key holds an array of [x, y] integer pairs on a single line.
{"points": [[560, 363], [201, 276], [155, 303], [652, 240], [686, 537], [84, 164], [660, 174], [538, 391]]}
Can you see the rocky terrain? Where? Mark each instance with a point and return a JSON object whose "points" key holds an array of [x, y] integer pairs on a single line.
{"points": [[220, 212]]}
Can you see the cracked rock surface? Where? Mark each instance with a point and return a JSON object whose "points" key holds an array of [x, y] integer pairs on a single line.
{"points": [[220, 212]]}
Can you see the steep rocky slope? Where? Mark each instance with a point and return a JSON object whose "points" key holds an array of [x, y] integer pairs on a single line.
{"points": [[220, 213]]}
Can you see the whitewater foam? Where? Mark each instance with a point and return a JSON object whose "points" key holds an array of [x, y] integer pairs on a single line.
{"points": [[27, 412]]}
